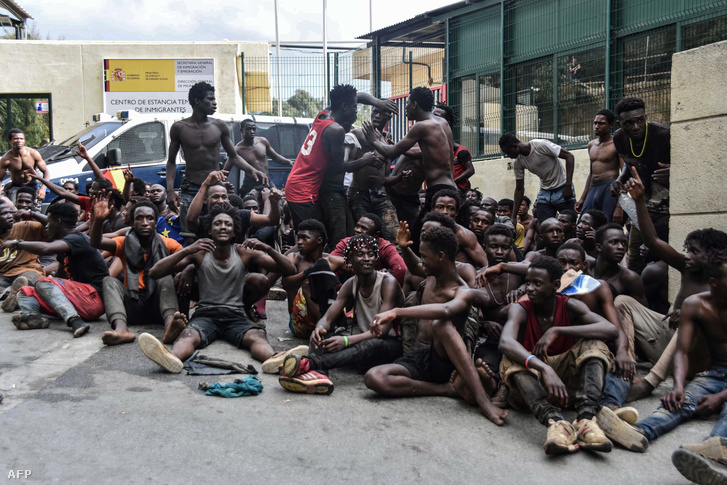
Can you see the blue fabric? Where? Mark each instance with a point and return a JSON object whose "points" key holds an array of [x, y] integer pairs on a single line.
{"points": [[615, 390], [550, 202], [661, 421], [170, 227], [249, 386]]}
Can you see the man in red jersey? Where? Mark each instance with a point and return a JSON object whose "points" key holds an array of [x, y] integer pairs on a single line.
{"points": [[323, 148]]}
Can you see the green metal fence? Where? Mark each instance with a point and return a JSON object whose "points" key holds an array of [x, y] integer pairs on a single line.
{"points": [[543, 68], [538, 68]]}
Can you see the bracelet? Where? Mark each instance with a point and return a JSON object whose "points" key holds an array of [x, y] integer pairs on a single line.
{"points": [[527, 361], [345, 341]]}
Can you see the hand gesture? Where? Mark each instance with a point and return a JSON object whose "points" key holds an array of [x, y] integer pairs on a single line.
{"points": [[41, 193], [388, 106], [557, 392], [673, 400], [316, 337], [590, 234], [661, 175], [205, 245], [101, 210], [617, 188], [381, 319], [708, 405], [255, 245], [22, 215], [541, 347], [403, 236], [229, 187], [618, 215], [184, 280], [407, 175], [265, 194], [372, 134], [568, 192], [333, 344], [623, 366], [216, 177], [260, 176], [81, 150], [275, 196], [128, 174], [579, 206], [514, 295], [674, 319], [173, 201], [635, 186]]}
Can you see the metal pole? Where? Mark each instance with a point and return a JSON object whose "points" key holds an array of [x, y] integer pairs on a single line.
{"points": [[277, 61], [411, 71], [242, 62], [607, 80], [335, 68], [325, 48], [371, 52]]}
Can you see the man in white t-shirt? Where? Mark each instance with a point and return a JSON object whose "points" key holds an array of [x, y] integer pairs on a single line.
{"points": [[541, 158]]}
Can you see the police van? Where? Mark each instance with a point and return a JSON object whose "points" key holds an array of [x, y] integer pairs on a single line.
{"points": [[142, 142]]}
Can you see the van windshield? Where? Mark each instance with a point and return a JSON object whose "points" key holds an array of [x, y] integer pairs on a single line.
{"points": [[93, 134]]}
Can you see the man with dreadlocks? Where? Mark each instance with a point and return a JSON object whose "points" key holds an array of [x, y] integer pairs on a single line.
{"points": [[352, 344]]}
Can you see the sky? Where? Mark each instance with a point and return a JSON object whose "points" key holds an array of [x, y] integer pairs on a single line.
{"points": [[239, 20]]}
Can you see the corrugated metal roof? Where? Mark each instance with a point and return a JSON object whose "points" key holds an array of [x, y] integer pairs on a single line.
{"points": [[15, 9], [419, 19]]}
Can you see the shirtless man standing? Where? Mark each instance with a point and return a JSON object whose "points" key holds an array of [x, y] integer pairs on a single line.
{"points": [[605, 168], [255, 150], [200, 138], [367, 193], [435, 141], [21, 161]]}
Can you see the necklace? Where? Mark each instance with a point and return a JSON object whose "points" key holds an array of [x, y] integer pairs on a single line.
{"points": [[507, 288], [643, 147]]}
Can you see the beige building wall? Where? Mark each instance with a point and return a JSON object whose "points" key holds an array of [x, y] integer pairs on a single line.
{"points": [[698, 130], [495, 178], [72, 72]]}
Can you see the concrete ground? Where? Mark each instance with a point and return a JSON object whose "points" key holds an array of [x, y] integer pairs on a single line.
{"points": [[78, 412]]}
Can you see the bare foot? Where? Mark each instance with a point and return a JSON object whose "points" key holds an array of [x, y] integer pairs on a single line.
{"points": [[117, 338], [486, 376], [639, 390], [494, 414], [29, 321], [175, 327], [462, 389]]}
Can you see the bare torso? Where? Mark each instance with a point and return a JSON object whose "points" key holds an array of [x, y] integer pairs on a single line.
{"points": [[437, 151], [604, 161], [200, 143], [368, 177], [20, 166], [412, 185], [711, 321], [256, 155]]}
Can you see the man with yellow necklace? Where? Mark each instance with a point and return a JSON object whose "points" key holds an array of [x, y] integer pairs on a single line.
{"points": [[646, 146]]}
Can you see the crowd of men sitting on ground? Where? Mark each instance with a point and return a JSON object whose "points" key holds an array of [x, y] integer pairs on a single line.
{"points": [[434, 292]]}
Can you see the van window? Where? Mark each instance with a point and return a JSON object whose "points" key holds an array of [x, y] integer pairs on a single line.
{"points": [[285, 139], [93, 134], [143, 143]]}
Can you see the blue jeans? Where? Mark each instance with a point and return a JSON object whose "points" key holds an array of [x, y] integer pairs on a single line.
{"points": [[551, 201], [615, 390], [705, 383], [53, 296], [599, 197]]}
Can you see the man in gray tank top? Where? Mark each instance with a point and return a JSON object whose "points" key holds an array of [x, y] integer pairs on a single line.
{"points": [[221, 271], [369, 292]]}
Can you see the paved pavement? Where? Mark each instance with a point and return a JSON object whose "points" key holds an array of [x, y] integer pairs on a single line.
{"points": [[77, 412]]}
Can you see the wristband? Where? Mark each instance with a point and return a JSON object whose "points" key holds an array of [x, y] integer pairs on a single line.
{"points": [[527, 361], [345, 341]]}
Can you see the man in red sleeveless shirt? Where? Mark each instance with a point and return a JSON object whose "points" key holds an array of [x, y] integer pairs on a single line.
{"points": [[546, 368], [323, 150]]}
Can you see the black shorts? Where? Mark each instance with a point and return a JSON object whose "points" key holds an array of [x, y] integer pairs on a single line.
{"points": [[220, 322], [425, 365]]}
